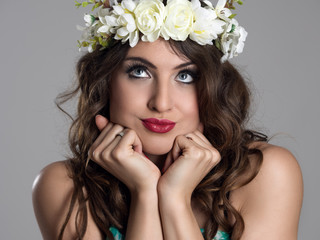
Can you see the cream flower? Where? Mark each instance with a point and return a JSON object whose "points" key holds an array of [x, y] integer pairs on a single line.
{"points": [[206, 27], [179, 20], [103, 15], [125, 20], [232, 40], [222, 12], [89, 19], [89, 31], [149, 18]]}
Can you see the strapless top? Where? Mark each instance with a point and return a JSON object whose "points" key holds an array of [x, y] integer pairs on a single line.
{"points": [[219, 236]]}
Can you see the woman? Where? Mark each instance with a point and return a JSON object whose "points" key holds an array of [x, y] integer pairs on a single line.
{"points": [[160, 148]]}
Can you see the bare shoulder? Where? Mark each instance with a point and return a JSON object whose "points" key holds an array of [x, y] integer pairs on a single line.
{"points": [[52, 190], [53, 182], [52, 186], [279, 164], [53, 176], [279, 167], [274, 196], [51, 196]]}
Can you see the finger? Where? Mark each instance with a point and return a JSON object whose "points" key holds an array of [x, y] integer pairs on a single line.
{"points": [[131, 140], [204, 143], [111, 135], [106, 137], [100, 137], [180, 144], [168, 162], [200, 127], [199, 138], [103, 155], [101, 122]]}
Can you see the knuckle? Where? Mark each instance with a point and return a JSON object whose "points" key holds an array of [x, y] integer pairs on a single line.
{"points": [[180, 137], [208, 154], [197, 152], [104, 154], [95, 154], [118, 127], [216, 157], [116, 153]]}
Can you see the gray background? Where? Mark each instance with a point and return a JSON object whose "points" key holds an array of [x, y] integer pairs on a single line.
{"points": [[38, 54]]}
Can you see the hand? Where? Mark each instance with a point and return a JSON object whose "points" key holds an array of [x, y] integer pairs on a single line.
{"points": [[123, 157], [190, 160]]}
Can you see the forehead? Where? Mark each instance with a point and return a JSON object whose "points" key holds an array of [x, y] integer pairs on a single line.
{"points": [[159, 53]]}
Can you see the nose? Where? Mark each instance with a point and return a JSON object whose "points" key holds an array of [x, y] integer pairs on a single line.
{"points": [[161, 99]]}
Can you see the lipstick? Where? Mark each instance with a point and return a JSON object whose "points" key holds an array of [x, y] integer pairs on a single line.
{"points": [[158, 125]]}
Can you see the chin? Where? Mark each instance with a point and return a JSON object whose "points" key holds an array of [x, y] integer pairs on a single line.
{"points": [[156, 147]]}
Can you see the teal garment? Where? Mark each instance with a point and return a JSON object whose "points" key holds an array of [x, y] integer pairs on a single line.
{"points": [[219, 236]]}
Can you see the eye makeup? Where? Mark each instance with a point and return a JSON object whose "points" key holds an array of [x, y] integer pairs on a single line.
{"points": [[187, 76], [136, 70]]}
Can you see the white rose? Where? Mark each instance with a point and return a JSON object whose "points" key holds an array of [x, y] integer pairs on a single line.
{"points": [[149, 18], [179, 20], [232, 40]]}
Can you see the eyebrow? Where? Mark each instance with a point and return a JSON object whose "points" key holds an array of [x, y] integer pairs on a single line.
{"points": [[149, 64]]}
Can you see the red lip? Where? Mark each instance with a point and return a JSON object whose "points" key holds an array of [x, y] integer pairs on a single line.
{"points": [[158, 125]]}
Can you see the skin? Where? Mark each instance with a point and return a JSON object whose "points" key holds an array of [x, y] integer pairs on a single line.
{"points": [[161, 206]]}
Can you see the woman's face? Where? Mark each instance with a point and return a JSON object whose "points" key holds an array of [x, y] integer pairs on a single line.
{"points": [[154, 93]]}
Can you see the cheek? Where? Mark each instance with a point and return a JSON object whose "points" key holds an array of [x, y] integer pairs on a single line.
{"points": [[190, 108], [118, 101], [193, 112], [124, 101]]}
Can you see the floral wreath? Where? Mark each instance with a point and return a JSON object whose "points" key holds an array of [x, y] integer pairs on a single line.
{"points": [[131, 20]]}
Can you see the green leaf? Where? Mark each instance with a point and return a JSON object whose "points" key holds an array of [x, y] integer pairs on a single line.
{"points": [[77, 4], [84, 4], [232, 16], [233, 28], [103, 42], [218, 43], [239, 2], [96, 6], [85, 44], [94, 45]]}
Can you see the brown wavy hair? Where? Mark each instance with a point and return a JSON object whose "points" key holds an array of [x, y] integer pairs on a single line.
{"points": [[223, 99]]}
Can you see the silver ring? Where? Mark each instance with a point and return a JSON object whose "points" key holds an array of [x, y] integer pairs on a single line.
{"points": [[120, 134]]}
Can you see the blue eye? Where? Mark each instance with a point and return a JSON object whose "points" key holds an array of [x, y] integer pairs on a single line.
{"points": [[185, 77], [137, 71]]}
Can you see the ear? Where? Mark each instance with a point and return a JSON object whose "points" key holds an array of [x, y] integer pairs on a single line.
{"points": [[101, 122]]}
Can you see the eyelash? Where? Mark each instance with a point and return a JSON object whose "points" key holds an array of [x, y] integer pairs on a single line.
{"points": [[135, 66], [191, 73]]}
